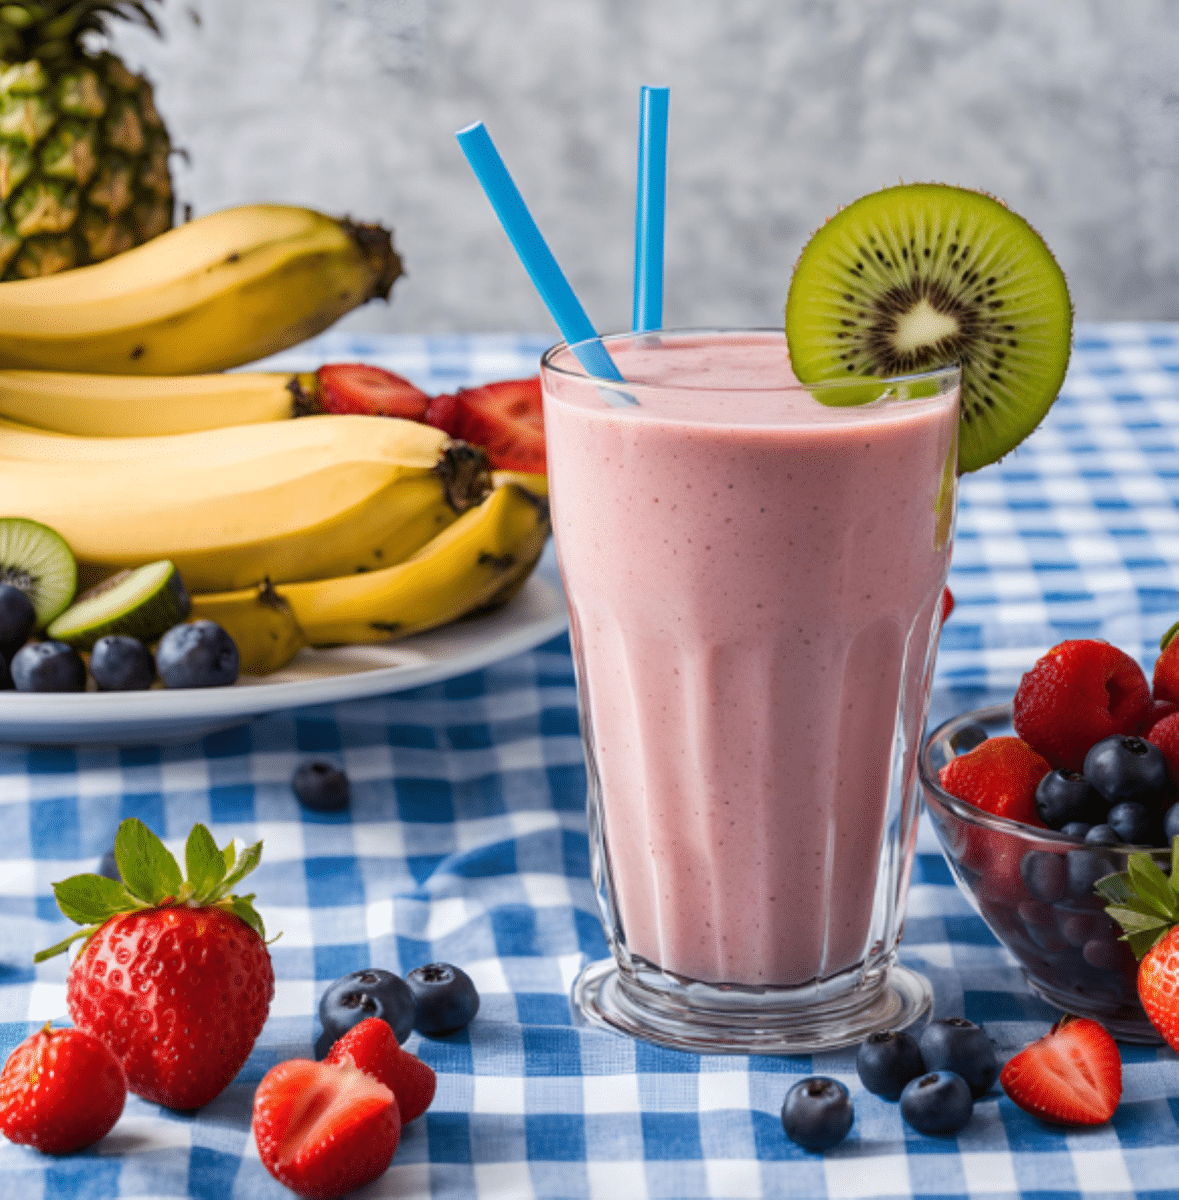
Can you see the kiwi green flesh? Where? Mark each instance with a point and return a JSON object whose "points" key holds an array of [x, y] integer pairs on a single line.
{"points": [[925, 275], [37, 560], [142, 603]]}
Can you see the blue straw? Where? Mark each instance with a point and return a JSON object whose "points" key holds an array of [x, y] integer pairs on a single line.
{"points": [[649, 204], [538, 260]]}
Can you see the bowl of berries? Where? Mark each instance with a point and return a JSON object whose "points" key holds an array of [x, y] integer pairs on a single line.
{"points": [[1049, 809]]}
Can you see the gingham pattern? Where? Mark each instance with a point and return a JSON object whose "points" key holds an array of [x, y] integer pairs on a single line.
{"points": [[466, 842]]}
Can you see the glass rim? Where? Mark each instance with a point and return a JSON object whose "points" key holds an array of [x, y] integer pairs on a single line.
{"points": [[947, 375]]}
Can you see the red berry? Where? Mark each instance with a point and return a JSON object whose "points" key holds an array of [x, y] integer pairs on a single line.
{"points": [[60, 1090], [179, 994], [947, 604], [373, 1048], [369, 391], [1158, 710], [506, 419], [1165, 735], [1071, 1076], [1078, 693], [1165, 684], [324, 1130], [999, 776], [1158, 987]]}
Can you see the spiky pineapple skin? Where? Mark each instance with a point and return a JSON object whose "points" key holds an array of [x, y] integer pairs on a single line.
{"points": [[84, 154]]}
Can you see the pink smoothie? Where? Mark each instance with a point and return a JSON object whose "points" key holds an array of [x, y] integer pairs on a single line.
{"points": [[753, 581]]}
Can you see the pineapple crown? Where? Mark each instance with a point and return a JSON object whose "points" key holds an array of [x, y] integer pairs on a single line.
{"points": [[53, 29], [1143, 901], [152, 879]]}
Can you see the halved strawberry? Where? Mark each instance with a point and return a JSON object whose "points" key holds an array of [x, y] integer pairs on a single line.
{"points": [[372, 1047], [506, 419], [370, 391], [324, 1130], [1071, 1076]]}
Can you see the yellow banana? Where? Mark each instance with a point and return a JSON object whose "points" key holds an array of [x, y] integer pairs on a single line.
{"points": [[223, 290], [260, 621], [289, 500], [485, 552], [143, 405]]}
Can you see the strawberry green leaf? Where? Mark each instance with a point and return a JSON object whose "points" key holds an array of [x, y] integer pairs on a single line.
{"points": [[1115, 888], [90, 899], [54, 951], [1168, 637], [242, 907], [1142, 943], [1134, 921], [145, 863], [1154, 891], [1175, 864], [206, 864], [241, 867]]}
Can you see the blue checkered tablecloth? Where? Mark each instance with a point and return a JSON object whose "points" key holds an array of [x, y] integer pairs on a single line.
{"points": [[466, 842]]}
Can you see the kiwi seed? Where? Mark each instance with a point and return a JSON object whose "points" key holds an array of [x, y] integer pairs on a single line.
{"points": [[921, 276]]}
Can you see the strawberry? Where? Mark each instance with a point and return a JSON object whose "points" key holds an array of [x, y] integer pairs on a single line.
{"points": [[370, 391], [999, 776], [322, 1129], [1165, 684], [1076, 694], [372, 1047], [506, 419], [1164, 734], [1071, 1076], [1145, 903], [174, 975], [60, 1090], [1159, 710]]}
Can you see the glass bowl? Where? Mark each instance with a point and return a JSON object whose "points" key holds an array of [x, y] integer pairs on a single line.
{"points": [[1034, 889]]}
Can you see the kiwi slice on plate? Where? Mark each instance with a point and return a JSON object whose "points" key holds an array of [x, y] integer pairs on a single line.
{"points": [[925, 275], [37, 560], [144, 603]]}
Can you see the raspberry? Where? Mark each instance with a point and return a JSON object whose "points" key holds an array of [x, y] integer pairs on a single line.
{"points": [[1000, 777], [1166, 667], [1078, 693]]}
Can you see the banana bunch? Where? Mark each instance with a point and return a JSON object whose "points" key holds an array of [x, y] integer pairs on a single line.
{"points": [[220, 291], [288, 500], [480, 561]]}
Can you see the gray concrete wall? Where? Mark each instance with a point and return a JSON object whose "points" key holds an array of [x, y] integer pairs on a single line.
{"points": [[781, 110]]}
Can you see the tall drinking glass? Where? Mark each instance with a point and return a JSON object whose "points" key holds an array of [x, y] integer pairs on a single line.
{"points": [[754, 582]]}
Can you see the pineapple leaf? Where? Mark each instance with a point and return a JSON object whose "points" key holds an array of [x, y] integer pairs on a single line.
{"points": [[206, 864], [148, 869]]}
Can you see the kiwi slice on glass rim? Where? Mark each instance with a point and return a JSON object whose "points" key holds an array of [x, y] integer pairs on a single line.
{"points": [[37, 560], [921, 276]]}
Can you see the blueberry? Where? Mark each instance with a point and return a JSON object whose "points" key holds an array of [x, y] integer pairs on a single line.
{"points": [[121, 664], [1103, 835], [321, 787], [1085, 868], [968, 738], [817, 1113], [1063, 796], [445, 999], [199, 654], [937, 1103], [1126, 768], [1075, 829], [1135, 823], [886, 1061], [109, 867], [17, 619], [363, 994], [1044, 874], [1171, 823], [48, 667], [958, 1045]]}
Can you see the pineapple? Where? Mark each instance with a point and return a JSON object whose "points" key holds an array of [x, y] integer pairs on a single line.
{"points": [[83, 153]]}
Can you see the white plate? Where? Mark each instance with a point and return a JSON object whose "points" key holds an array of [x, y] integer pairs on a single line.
{"points": [[536, 614]]}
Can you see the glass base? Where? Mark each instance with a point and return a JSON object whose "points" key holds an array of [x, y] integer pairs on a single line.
{"points": [[609, 999]]}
